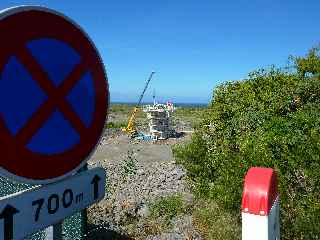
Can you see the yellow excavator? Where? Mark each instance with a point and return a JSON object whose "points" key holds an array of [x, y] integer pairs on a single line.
{"points": [[131, 127]]}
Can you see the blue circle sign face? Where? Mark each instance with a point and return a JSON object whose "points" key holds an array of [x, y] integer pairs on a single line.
{"points": [[53, 95], [48, 138]]}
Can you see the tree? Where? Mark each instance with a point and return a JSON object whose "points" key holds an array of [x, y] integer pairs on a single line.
{"points": [[309, 64], [272, 119]]}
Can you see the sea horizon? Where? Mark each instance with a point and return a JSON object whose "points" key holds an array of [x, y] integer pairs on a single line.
{"points": [[175, 104]]}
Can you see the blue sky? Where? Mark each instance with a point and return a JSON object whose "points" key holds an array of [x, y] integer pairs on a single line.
{"points": [[192, 45]]}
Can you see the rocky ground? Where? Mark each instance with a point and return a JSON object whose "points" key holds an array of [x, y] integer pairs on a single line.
{"points": [[138, 174]]}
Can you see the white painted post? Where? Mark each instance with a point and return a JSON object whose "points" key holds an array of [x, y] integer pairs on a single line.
{"points": [[260, 205]]}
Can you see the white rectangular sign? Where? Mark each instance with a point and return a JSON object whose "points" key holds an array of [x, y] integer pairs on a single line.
{"points": [[26, 212]]}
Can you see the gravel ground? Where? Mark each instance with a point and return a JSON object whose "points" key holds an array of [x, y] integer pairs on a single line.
{"points": [[138, 173]]}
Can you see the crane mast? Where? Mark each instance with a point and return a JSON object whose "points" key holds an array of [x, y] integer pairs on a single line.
{"points": [[145, 88], [131, 128]]}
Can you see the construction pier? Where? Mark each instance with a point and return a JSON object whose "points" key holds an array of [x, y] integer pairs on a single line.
{"points": [[159, 116]]}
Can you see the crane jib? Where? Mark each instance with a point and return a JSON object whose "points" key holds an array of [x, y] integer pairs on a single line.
{"points": [[145, 88], [131, 129]]}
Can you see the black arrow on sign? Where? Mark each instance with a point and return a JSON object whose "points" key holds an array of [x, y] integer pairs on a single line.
{"points": [[7, 216], [95, 182]]}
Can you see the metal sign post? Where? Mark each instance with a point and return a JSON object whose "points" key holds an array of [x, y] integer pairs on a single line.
{"points": [[28, 211], [54, 232]]}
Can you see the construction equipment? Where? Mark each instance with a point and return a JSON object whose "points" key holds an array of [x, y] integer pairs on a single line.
{"points": [[131, 127]]}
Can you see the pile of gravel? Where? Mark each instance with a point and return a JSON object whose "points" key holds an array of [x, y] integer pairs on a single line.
{"points": [[133, 183]]}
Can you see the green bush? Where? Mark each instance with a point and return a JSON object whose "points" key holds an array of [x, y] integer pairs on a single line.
{"points": [[272, 119], [114, 125], [214, 223], [168, 207]]}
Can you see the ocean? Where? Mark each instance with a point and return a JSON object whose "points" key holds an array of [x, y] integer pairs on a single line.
{"points": [[190, 105]]}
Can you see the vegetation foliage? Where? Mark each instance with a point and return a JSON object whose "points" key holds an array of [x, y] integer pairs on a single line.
{"points": [[129, 165], [189, 114], [214, 223], [168, 207], [208, 219], [271, 119], [116, 125]]}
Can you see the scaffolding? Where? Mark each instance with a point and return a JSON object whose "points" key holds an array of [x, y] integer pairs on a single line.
{"points": [[160, 123]]}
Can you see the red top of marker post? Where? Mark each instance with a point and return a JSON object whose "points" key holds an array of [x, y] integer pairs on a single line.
{"points": [[260, 191]]}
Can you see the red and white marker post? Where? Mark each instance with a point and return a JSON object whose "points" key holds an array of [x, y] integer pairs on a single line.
{"points": [[260, 205]]}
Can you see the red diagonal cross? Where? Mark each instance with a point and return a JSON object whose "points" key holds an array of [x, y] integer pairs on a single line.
{"points": [[56, 96]]}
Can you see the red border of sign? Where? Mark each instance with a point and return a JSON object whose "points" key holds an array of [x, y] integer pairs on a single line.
{"points": [[24, 24]]}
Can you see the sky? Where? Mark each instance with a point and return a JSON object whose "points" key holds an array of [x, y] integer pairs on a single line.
{"points": [[191, 45]]}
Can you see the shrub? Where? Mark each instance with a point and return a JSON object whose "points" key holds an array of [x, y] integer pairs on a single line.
{"points": [[168, 208], [272, 119], [114, 125], [214, 223]]}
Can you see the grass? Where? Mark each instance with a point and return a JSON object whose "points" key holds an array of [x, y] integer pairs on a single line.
{"points": [[168, 207], [122, 108], [189, 114], [214, 223], [162, 212], [129, 165], [116, 125], [121, 113], [190, 111], [120, 116], [211, 221]]}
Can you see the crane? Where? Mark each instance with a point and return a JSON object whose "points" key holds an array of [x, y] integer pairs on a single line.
{"points": [[131, 128]]}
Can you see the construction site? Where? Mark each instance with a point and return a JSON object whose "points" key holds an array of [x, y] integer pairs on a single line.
{"points": [[228, 148], [136, 151], [158, 123]]}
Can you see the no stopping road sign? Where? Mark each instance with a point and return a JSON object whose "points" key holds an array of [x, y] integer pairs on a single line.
{"points": [[53, 95]]}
